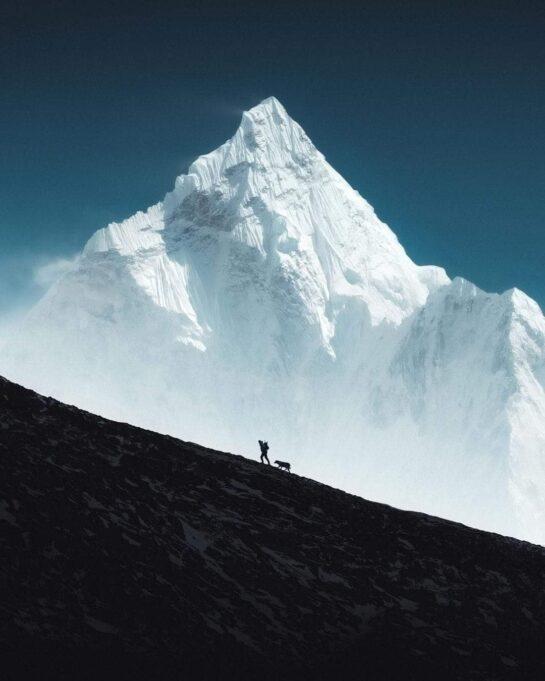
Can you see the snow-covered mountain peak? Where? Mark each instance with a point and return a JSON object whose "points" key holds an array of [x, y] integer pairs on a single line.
{"points": [[269, 192], [523, 304], [266, 139], [269, 125], [268, 116], [269, 105], [264, 297]]}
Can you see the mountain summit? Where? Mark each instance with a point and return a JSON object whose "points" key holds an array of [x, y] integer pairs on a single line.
{"points": [[269, 191], [263, 297]]}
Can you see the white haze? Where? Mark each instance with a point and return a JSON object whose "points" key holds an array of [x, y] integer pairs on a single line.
{"points": [[263, 298], [48, 271], [23, 281]]}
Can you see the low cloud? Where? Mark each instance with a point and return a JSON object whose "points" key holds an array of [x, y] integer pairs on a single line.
{"points": [[23, 281], [47, 273], [9, 323]]}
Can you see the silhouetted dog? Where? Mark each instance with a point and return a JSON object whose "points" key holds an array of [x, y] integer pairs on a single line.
{"points": [[283, 464]]}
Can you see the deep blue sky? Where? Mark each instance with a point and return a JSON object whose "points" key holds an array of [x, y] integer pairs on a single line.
{"points": [[435, 112]]}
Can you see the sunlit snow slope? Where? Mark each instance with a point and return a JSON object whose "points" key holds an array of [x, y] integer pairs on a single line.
{"points": [[264, 298]]}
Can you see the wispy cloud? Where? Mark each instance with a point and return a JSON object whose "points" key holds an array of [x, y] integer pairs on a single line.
{"points": [[23, 281], [9, 321], [47, 273]]}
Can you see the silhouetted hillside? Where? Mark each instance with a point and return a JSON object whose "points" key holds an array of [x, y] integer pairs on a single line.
{"points": [[130, 555]]}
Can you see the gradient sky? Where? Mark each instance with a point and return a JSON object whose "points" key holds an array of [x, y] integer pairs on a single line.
{"points": [[435, 112]]}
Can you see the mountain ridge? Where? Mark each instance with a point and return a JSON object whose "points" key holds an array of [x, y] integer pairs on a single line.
{"points": [[131, 555]]}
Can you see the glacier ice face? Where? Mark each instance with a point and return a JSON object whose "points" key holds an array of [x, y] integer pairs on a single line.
{"points": [[264, 298]]}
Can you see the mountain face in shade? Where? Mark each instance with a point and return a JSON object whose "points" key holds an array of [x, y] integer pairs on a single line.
{"points": [[263, 298], [125, 554]]}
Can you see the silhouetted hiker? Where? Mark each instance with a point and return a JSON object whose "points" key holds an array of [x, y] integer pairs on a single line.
{"points": [[264, 446]]}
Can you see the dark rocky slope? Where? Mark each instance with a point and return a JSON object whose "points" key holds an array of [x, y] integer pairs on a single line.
{"points": [[127, 554]]}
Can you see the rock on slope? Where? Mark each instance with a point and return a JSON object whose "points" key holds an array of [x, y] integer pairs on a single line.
{"points": [[131, 555], [263, 297]]}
